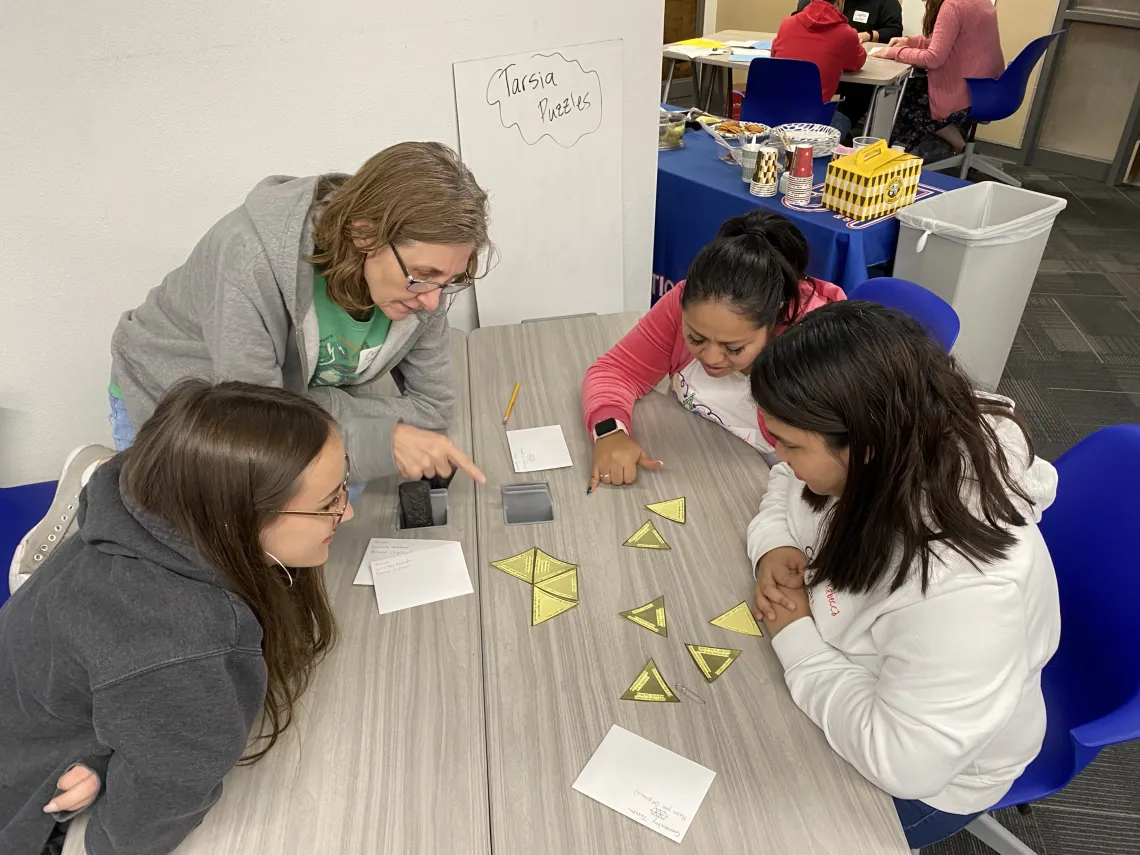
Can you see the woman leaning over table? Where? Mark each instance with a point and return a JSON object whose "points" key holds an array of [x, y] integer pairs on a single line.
{"points": [[321, 285], [910, 597], [960, 40]]}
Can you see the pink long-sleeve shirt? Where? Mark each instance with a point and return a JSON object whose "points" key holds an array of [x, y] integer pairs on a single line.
{"points": [[965, 43], [656, 347]]}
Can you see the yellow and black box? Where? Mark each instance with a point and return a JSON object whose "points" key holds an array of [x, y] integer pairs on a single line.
{"points": [[872, 182]]}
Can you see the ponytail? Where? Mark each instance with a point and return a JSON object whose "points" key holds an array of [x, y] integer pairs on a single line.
{"points": [[755, 265]]}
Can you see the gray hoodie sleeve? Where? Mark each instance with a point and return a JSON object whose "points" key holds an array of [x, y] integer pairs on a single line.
{"points": [[428, 401], [174, 733]]}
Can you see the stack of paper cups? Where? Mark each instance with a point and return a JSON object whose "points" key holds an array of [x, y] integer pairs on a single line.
{"points": [[800, 175], [765, 178]]}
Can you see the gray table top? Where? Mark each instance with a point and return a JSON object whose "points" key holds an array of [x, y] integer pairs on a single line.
{"points": [[387, 754], [552, 691]]}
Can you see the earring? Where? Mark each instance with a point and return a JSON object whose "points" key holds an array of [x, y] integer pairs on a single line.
{"points": [[283, 567]]}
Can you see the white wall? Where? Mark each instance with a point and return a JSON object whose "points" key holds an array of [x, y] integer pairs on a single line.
{"points": [[130, 127], [912, 10]]}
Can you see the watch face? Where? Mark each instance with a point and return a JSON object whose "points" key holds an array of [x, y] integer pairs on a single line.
{"points": [[605, 426]]}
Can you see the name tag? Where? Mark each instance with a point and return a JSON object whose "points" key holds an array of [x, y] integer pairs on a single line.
{"points": [[861, 17], [367, 356]]}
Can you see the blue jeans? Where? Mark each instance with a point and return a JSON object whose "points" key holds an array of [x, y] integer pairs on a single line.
{"points": [[122, 431], [924, 825]]}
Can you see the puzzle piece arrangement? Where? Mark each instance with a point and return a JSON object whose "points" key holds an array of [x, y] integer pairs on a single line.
{"points": [[554, 582]]}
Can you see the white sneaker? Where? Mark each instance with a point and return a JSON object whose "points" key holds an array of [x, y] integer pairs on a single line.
{"points": [[49, 532]]}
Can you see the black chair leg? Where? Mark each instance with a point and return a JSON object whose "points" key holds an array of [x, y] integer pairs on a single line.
{"points": [[1025, 809]]}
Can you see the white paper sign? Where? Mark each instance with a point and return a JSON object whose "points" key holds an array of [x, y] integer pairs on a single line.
{"points": [[547, 95], [388, 547], [536, 449], [422, 577], [649, 784]]}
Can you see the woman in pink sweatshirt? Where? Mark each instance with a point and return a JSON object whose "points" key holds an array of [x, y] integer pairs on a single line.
{"points": [[960, 40], [746, 286]]}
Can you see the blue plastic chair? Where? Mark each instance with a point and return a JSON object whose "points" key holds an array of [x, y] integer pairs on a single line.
{"points": [[926, 307], [1092, 684], [991, 101], [780, 91], [20, 509]]}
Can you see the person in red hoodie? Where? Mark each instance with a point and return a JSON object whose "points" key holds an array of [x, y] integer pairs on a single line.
{"points": [[822, 34]]}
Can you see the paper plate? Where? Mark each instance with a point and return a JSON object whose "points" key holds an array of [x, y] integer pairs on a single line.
{"points": [[822, 138]]}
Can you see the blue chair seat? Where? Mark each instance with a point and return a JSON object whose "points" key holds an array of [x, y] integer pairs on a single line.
{"points": [[780, 91], [20, 509], [926, 307]]}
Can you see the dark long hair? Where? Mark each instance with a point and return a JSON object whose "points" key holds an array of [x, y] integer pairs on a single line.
{"points": [[930, 16], [755, 265], [217, 463], [922, 452]]}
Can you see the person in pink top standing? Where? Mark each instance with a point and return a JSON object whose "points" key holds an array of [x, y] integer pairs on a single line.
{"points": [[960, 40], [742, 289]]}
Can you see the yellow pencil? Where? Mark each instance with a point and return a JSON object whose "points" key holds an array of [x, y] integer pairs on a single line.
{"points": [[511, 405]]}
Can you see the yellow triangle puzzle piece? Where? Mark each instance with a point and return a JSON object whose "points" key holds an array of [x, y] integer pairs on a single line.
{"points": [[671, 509], [738, 619], [544, 606], [647, 537], [564, 585], [650, 686], [520, 566], [713, 661], [546, 566], [651, 616]]}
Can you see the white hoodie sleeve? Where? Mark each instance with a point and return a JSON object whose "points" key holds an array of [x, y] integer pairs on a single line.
{"points": [[941, 694], [769, 529]]}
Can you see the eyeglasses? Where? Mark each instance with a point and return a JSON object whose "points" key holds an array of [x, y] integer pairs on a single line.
{"points": [[426, 286], [336, 509]]}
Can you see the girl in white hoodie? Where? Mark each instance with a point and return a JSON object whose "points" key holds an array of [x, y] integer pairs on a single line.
{"points": [[908, 592]]}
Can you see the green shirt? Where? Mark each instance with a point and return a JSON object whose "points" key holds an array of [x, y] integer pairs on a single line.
{"points": [[343, 338]]}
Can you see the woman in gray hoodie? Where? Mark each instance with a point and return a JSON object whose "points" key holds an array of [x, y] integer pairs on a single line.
{"points": [[323, 285], [223, 509]]}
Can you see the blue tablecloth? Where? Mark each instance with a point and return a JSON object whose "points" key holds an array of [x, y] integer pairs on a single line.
{"points": [[697, 191]]}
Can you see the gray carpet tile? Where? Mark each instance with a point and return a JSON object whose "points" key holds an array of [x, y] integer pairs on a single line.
{"points": [[1075, 367]]}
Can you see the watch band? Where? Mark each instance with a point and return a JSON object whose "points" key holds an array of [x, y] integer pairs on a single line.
{"points": [[620, 426]]}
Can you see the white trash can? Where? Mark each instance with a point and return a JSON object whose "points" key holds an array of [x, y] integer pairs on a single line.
{"points": [[978, 248]]}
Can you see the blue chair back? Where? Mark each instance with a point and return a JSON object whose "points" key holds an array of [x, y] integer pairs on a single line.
{"points": [[780, 91], [20, 509], [926, 307], [1092, 684], [991, 100]]}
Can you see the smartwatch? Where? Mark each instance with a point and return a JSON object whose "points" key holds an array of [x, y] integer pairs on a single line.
{"points": [[607, 426]]}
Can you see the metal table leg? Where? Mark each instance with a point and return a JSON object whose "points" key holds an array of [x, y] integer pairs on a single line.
{"points": [[668, 81]]}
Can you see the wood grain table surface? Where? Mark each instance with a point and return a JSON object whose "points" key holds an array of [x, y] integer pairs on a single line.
{"points": [[552, 691], [387, 754]]}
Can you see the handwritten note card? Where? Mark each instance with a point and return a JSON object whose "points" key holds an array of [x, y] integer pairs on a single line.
{"points": [[649, 784], [535, 449], [389, 547], [421, 577]]}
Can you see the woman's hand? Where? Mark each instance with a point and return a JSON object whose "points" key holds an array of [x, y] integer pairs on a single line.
{"points": [[898, 41], [616, 458], [780, 568], [79, 787], [423, 453], [864, 37], [801, 609]]}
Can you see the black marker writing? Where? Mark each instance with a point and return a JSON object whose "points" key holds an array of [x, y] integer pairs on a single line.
{"points": [[525, 83], [565, 107]]}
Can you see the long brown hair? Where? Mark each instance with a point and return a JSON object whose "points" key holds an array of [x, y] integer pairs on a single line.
{"points": [[930, 16], [925, 463], [217, 463], [412, 191]]}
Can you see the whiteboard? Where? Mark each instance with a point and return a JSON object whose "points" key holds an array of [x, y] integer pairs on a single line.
{"points": [[542, 132]]}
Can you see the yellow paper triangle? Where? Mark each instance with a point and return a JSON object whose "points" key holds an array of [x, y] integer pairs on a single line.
{"points": [[647, 537], [546, 566], [713, 661], [650, 686], [564, 585], [671, 509], [738, 619], [651, 616], [544, 606], [704, 43], [520, 566]]}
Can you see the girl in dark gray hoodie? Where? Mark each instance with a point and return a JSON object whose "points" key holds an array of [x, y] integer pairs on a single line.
{"points": [[190, 604]]}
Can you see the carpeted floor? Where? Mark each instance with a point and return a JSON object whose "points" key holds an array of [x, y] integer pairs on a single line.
{"points": [[1075, 367]]}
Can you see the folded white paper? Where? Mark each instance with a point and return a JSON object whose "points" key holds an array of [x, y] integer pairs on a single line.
{"points": [[535, 449], [422, 577], [388, 547]]}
